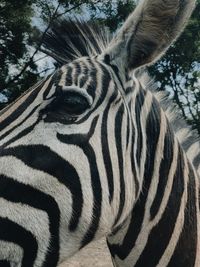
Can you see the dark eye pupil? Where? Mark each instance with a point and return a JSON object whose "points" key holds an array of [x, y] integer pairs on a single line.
{"points": [[74, 103]]}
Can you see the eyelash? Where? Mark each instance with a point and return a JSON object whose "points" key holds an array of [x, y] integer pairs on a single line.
{"points": [[66, 107]]}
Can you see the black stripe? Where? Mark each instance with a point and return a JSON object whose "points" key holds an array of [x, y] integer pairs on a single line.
{"points": [[43, 158], [4, 264], [133, 163], [92, 73], [84, 72], [105, 78], [105, 148], [77, 68], [12, 232], [18, 112], [160, 235], [120, 156], [14, 191], [82, 140], [19, 124], [69, 77], [55, 79], [22, 133], [152, 133], [139, 101], [97, 193], [163, 170], [129, 91], [188, 240], [115, 69], [128, 131]]}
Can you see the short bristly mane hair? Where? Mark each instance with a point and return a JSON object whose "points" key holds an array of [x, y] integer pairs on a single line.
{"points": [[68, 40], [71, 39]]}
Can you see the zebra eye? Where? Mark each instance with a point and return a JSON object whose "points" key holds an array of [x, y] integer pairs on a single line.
{"points": [[65, 107], [74, 103]]}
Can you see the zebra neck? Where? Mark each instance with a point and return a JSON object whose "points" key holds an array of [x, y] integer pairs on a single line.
{"points": [[167, 203]]}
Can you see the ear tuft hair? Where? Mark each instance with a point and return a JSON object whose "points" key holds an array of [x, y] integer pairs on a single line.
{"points": [[70, 39]]}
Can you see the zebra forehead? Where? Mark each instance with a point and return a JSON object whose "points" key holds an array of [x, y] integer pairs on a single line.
{"points": [[85, 71]]}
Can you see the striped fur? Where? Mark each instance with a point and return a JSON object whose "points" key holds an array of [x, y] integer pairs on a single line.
{"points": [[91, 151]]}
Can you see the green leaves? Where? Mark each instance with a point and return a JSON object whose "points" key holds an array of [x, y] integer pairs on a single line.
{"points": [[179, 71], [15, 27]]}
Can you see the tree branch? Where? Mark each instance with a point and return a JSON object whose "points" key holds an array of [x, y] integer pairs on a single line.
{"points": [[176, 95], [40, 58], [53, 17], [45, 70]]}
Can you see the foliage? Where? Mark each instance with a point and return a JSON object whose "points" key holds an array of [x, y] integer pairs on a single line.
{"points": [[179, 71], [15, 29], [111, 13]]}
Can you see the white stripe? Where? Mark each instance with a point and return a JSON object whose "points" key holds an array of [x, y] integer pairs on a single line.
{"points": [[11, 252], [30, 121], [31, 219], [165, 259]]}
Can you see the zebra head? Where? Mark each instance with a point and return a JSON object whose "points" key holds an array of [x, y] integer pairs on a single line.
{"points": [[71, 145]]}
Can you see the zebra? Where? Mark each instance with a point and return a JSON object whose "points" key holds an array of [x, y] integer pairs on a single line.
{"points": [[94, 150]]}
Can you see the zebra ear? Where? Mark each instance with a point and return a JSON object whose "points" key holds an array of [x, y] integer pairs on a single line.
{"points": [[149, 31]]}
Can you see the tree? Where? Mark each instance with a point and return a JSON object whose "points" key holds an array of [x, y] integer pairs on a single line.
{"points": [[15, 31], [112, 13], [179, 71]]}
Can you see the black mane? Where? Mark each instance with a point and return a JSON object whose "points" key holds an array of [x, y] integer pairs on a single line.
{"points": [[67, 40]]}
